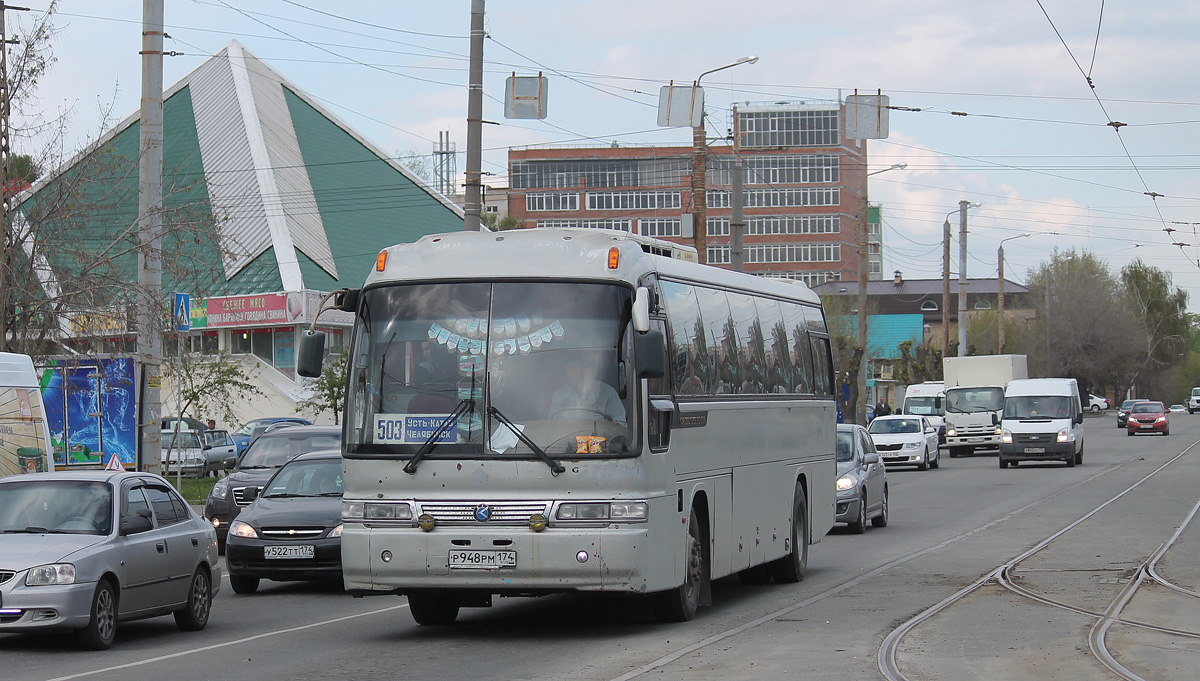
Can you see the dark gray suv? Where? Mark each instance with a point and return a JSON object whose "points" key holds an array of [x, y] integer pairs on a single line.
{"points": [[256, 466]]}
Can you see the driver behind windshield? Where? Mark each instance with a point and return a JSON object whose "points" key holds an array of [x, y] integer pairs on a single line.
{"points": [[585, 396]]}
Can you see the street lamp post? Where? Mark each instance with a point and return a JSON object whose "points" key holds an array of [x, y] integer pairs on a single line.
{"points": [[863, 279], [1000, 289], [700, 167]]}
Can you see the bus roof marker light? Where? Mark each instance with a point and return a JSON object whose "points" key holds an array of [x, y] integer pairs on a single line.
{"points": [[614, 257], [381, 261]]}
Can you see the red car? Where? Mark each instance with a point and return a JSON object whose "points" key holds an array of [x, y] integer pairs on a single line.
{"points": [[1148, 417]]}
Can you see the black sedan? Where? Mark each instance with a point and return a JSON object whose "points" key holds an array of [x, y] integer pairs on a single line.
{"points": [[1123, 412], [293, 531]]}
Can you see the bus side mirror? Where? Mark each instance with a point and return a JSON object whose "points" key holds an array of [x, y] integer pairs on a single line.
{"points": [[650, 354], [310, 353], [641, 310], [347, 299]]}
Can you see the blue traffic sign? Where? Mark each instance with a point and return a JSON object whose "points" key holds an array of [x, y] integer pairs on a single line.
{"points": [[183, 318]]}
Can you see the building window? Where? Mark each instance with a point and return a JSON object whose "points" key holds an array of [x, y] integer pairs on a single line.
{"points": [[649, 172], [929, 306], [874, 248], [983, 304], [717, 198], [809, 278], [609, 223], [776, 169], [794, 128], [788, 253], [660, 227], [492, 209], [875, 267], [788, 198], [558, 201], [632, 200], [718, 255], [794, 224], [718, 226]]}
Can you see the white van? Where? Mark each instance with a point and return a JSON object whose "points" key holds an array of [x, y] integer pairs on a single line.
{"points": [[24, 436], [1042, 421], [928, 399]]}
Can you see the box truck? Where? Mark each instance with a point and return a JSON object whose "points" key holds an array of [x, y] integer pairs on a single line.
{"points": [[1042, 421], [975, 399], [24, 436]]}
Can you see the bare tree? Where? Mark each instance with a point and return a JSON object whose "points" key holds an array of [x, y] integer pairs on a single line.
{"points": [[329, 389]]}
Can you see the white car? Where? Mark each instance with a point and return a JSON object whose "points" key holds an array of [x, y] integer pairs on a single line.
{"points": [[1097, 403], [182, 449], [905, 439], [1177, 408]]}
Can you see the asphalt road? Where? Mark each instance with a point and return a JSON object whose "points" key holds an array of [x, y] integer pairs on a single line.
{"points": [[925, 593]]}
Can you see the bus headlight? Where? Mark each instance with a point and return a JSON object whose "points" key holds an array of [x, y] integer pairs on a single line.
{"points": [[376, 510], [612, 510]]}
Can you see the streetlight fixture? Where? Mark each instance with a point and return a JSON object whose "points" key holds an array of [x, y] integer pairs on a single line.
{"points": [[700, 167], [1000, 289]]}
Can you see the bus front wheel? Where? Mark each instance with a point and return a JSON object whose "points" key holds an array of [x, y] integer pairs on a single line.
{"points": [[679, 604], [790, 568]]}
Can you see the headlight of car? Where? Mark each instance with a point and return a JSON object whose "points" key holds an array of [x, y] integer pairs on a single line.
{"points": [[1062, 435], [55, 573], [240, 529], [950, 432], [1162, 419], [335, 532], [913, 445], [846, 482], [219, 490], [1006, 437]]}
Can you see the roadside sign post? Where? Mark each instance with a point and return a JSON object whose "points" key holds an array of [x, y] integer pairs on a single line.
{"points": [[183, 324]]}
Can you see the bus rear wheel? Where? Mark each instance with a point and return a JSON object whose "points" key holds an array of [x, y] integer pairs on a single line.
{"points": [[432, 608], [790, 568], [679, 604]]}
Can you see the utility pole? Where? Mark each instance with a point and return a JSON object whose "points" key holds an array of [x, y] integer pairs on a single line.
{"points": [[962, 277], [737, 222], [6, 242], [149, 293], [473, 203], [946, 287]]}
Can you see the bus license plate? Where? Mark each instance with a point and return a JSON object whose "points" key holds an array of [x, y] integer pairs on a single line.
{"points": [[485, 560], [303, 551], [1035, 450]]}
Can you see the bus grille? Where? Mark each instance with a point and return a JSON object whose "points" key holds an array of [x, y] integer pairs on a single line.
{"points": [[505, 512]]}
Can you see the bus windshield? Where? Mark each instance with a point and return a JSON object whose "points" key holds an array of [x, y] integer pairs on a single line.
{"points": [[486, 369]]}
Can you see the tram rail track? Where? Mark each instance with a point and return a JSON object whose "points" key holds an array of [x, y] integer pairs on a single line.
{"points": [[888, 657]]}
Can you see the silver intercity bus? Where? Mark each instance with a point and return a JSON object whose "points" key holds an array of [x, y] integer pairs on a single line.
{"points": [[547, 410]]}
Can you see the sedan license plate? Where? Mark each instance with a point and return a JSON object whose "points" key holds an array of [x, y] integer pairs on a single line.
{"points": [[1035, 450], [302, 551], [485, 560], [1146, 426]]}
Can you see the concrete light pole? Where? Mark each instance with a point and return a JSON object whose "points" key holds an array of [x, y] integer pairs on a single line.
{"points": [[962, 279], [863, 279], [700, 167], [1000, 290]]}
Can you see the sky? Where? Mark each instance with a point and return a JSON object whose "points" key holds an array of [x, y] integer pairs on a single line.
{"points": [[996, 103]]}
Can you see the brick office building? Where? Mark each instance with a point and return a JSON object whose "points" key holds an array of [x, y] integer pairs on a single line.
{"points": [[804, 191]]}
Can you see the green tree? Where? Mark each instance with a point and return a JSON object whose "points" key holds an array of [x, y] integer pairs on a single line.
{"points": [[918, 363], [329, 389], [498, 224], [211, 384]]}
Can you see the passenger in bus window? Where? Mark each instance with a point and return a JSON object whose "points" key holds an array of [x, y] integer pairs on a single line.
{"points": [[585, 396]]}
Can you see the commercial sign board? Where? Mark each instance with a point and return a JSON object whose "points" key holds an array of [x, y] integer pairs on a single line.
{"points": [[254, 310]]}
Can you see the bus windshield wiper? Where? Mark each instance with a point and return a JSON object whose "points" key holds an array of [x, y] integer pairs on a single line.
{"points": [[431, 441], [555, 467]]}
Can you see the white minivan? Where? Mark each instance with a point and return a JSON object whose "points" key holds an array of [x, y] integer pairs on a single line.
{"points": [[928, 399], [1043, 419], [25, 446]]}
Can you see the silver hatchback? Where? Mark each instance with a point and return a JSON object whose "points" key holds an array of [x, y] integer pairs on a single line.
{"points": [[83, 551]]}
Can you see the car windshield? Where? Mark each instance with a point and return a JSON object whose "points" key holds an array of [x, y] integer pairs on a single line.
{"points": [[924, 406], [845, 446], [484, 369], [974, 399], [247, 428], [1147, 408], [276, 450], [56, 506], [1127, 404], [307, 479], [180, 440], [1041, 407], [894, 426]]}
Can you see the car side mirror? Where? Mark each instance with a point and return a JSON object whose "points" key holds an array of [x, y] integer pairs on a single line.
{"points": [[229, 463], [135, 524], [1079, 418], [250, 493], [995, 420], [207, 447], [871, 459]]}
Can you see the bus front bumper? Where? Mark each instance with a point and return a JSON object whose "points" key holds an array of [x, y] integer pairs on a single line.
{"points": [[505, 559]]}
